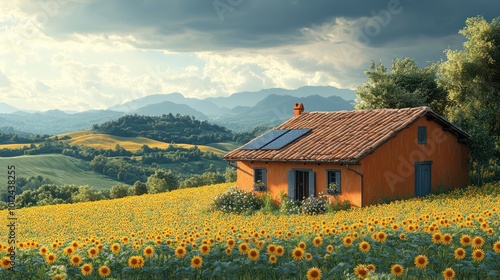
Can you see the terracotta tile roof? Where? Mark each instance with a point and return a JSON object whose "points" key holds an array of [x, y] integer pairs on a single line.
{"points": [[342, 136]]}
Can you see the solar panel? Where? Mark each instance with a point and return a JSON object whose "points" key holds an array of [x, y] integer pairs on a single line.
{"points": [[285, 139], [264, 139]]}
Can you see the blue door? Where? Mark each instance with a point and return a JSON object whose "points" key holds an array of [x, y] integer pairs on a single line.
{"points": [[423, 178]]}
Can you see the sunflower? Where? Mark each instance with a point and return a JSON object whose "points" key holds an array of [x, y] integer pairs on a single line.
{"points": [[74, 244], [149, 252], [381, 236], [477, 242], [361, 271], [371, 267], [43, 250], [459, 253], [271, 249], [243, 248], [309, 256], [104, 271], [329, 249], [180, 252], [272, 259], [253, 254], [231, 243], [447, 238], [496, 247], [204, 249], [298, 254], [478, 255], [317, 241], [302, 245], [196, 262], [465, 240], [86, 269], [280, 251], [402, 236], [93, 252], [449, 274], [75, 260], [364, 246], [50, 258], [347, 241], [115, 248], [58, 277], [421, 261], [134, 262], [5, 263], [314, 273], [397, 270], [437, 238], [229, 251]]}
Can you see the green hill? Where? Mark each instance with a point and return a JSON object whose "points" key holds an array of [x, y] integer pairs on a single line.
{"points": [[59, 169]]}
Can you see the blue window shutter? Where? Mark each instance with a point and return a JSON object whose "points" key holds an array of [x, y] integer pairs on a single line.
{"points": [[291, 184], [312, 188], [422, 134], [337, 180], [264, 178]]}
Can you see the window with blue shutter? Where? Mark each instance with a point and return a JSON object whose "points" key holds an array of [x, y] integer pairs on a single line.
{"points": [[333, 182], [259, 179], [422, 135]]}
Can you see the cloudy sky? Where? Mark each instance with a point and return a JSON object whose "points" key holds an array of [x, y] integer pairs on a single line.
{"points": [[91, 54]]}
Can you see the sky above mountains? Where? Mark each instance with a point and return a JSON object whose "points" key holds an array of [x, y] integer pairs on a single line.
{"points": [[90, 54]]}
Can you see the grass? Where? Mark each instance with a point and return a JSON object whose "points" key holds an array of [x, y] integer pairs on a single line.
{"points": [[59, 169], [106, 141]]}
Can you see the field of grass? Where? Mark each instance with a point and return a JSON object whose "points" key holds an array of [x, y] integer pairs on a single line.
{"points": [[58, 168], [106, 141], [14, 146], [174, 236]]}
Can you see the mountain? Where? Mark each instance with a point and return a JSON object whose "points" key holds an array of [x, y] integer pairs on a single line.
{"points": [[206, 107], [274, 109], [252, 98], [7, 109], [167, 107], [56, 121]]}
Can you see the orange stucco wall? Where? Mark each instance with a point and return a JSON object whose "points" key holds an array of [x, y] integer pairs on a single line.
{"points": [[277, 178], [389, 171]]}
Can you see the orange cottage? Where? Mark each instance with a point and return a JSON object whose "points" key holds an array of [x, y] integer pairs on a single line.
{"points": [[364, 156]]}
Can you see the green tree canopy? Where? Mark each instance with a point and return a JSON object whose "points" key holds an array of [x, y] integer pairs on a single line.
{"points": [[162, 181], [405, 85], [472, 78]]}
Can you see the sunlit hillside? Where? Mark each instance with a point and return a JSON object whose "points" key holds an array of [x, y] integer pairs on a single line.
{"points": [[386, 238]]}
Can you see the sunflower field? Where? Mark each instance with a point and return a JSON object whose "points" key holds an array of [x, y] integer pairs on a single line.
{"points": [[174, 235]]}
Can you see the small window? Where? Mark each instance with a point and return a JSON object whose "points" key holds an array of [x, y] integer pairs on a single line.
{"points": [[422, 135], [259, 179], [333, 182]]}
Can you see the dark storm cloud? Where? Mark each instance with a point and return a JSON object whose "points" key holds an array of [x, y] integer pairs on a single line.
{"points": [[188, 25]]}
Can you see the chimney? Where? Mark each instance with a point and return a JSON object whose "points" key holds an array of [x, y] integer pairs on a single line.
{"points": [[298, 109]]}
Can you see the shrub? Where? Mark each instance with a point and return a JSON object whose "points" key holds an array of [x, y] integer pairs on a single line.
{"points": [[314, 205], [289, 206], [268, 203], [236, 201], [338, 205]]}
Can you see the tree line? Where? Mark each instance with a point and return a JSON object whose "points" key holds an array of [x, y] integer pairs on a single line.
{"points": [[464, 88]]}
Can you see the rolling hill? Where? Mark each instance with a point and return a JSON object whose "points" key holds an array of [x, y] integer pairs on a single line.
{"points": [[106, 141], [59, 169]]}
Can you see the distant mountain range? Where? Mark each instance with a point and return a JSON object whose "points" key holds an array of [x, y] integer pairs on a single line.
{"points": [[241, 111]]}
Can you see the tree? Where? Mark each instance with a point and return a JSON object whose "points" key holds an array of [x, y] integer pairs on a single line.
{"points": [[230, 175], [472, 78], [85, 193], [139, 188], [119, 191], [162, 181], [406, 85]]}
